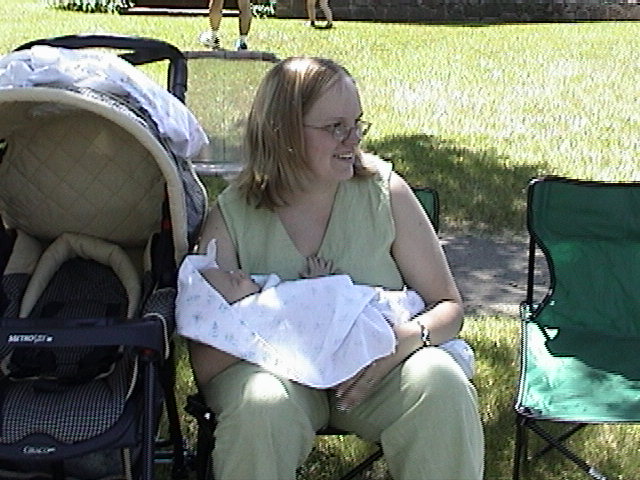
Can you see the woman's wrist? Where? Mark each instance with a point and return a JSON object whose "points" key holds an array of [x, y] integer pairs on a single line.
{"points": [[425, 335], [408, 337]]}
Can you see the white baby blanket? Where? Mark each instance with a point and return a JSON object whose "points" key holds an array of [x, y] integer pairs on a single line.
{"points": [[318, 331]]}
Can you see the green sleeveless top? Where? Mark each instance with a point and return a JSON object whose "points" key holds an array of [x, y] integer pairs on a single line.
{"points": [[358, 237]]}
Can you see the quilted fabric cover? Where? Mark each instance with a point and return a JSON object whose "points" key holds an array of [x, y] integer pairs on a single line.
{"points": [[82, 164], [88, 164]]}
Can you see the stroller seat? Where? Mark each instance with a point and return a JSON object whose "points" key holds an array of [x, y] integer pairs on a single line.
{"points": [[76, 277]]}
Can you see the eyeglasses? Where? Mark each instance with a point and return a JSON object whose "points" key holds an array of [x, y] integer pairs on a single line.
{"points": [[341, 132]]}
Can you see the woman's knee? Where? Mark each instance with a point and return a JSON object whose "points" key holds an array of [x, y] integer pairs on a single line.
{"points": [[266, 394], [433, 373], [249, 393]]}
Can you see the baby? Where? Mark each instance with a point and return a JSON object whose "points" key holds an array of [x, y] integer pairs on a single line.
{"points": [[318, 330]]}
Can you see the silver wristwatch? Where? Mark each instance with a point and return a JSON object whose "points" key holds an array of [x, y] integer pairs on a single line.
{"points": [[425, 335]]}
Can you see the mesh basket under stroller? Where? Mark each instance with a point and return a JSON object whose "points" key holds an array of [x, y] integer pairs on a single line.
{"points": [[99, 203]]}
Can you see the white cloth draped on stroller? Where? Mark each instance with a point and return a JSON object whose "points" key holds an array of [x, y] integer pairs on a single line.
{"points": [[99, 203]]}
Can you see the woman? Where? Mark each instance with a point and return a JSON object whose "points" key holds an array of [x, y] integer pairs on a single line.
{"points": [[307, 190]]}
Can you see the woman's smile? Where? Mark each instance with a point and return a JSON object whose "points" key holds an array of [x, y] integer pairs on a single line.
{"points": [[346, 157]]}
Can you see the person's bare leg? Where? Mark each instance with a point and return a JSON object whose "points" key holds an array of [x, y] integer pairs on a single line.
{"points": [[245, 16], [326, 10], [311, 12], [244, 23], [215, 14], [210, 37]]}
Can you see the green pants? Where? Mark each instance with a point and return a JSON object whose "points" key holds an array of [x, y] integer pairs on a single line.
{"points": [[424, 413]]}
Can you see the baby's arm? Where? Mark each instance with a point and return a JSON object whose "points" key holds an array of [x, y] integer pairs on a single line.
{"points": [[318, 267]]}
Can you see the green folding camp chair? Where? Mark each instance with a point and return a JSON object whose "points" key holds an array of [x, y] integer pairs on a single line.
{"points": [[429, 200], [580, 360]]}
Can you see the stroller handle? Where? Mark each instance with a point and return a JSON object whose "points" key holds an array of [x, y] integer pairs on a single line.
{"points": [[142, 50]]}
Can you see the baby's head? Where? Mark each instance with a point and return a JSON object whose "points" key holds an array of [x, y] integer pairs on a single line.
{"points": [[233, 286]]}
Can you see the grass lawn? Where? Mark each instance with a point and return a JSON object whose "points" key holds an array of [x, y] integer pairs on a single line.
{"points": [[472, 110]]}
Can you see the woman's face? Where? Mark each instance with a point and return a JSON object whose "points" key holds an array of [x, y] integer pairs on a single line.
{"points": [[330, 159]]}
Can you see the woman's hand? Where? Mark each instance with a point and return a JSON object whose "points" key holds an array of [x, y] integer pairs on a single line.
{"points": [[354, 390]]}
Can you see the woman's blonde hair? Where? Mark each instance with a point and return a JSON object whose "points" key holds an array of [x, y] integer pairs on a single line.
{"points": [[274, 152]]}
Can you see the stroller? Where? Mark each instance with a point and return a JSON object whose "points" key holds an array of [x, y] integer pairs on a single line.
{"points": [[99, 203]]}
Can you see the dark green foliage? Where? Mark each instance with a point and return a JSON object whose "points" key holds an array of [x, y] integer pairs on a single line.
{"points": [[264, 8], [91, 6]]}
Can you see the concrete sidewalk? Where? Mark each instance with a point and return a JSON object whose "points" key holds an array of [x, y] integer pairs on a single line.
{"points": [[492, 272]]}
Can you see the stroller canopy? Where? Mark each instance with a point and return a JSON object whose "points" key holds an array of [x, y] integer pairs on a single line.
{"points": [[89, 144]]}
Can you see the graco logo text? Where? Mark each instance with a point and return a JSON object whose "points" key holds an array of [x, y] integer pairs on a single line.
{"points": [[29, 338], [38, 450]]}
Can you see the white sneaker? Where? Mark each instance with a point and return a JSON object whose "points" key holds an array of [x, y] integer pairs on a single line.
{"points": [[241, 45], [207, 39]]}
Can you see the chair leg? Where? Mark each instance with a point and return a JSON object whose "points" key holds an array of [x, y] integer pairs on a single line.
{"points": [[553, 442], [204, 447], [520, 449], [205, 438], [167, 380], [560, 438], [362, 466]]}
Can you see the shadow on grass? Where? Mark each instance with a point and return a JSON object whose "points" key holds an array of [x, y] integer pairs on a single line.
{"points": [[495, 343], [333, 456], [479, 189]]}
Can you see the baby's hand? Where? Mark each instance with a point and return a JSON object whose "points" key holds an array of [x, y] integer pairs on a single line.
{"points": [[318, 267], [208, 274]]}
